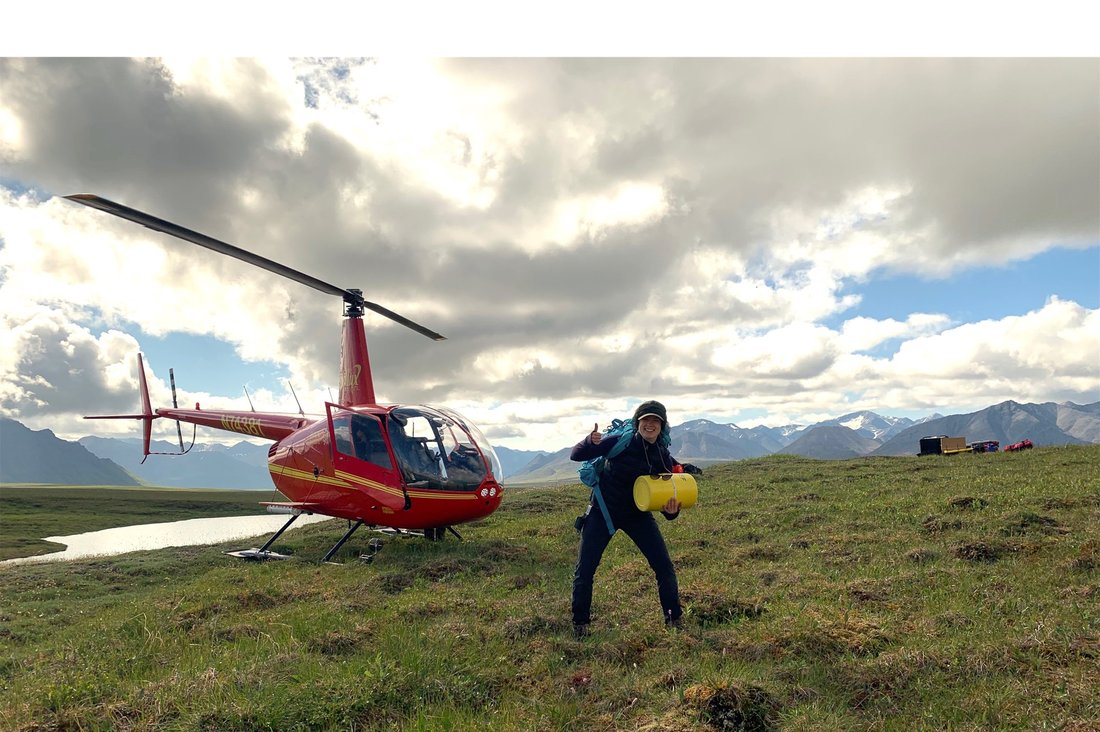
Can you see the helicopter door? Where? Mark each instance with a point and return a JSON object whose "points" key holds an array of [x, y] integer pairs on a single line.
{"points": [[359, 445]]}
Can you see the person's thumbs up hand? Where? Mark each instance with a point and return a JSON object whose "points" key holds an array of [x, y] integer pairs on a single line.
{"points": [[595, 437]]}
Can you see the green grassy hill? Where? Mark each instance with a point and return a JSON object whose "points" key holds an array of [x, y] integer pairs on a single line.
{"points": [[868, 594]]}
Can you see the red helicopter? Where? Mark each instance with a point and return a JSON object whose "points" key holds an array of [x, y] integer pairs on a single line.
{"points": [[404, 468]]}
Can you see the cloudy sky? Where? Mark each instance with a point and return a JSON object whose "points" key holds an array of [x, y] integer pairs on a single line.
{"points": [[757, 241]]}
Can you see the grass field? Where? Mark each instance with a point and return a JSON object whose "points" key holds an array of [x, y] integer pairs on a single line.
{"points": [[937, 593]]}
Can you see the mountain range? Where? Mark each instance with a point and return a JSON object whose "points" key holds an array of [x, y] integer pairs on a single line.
{"points": [[28, 456], [856, 434]]}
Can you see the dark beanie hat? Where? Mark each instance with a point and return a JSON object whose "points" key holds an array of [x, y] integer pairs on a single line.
{"points": [[651, 407]]}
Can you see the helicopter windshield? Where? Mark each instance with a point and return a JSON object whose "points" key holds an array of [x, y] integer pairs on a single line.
{"points": [[437, 448]]}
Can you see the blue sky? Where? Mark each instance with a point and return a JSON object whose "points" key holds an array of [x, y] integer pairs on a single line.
{"points": [[988, 292], [191, 355], [723, 234]]}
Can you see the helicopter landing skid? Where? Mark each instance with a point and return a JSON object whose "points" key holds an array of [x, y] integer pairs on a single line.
{"points": [[262, 553], [255, 554]]}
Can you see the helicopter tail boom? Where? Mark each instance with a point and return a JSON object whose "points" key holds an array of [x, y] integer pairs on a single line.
{"points": [[270, 426], [265, 425]]}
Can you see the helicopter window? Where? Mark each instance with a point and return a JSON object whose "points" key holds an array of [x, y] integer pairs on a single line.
{"points": [[477, 438], [341, 427], [434, 450], [366, 436], [361, 437]]}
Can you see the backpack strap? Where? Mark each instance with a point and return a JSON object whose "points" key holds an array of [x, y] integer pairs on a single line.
{"points": [[603, 509], [625, 435]]}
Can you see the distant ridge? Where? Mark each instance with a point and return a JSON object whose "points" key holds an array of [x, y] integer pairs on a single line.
{"points": [[1008, 422], [240, 466], [28, 456], [831, 442]]}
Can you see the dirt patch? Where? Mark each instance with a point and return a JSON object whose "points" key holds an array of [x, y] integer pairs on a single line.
{"points": [[523, 581], [262, 599], [737, 707], [517, 628], [868, 591], [191, 619], [1088, 556], [707, 608], [336, 643], [236, 632], [442, 569], [980, 551], [849, 634], [394, 582], [967, 503], [921, 555], [880, 682], [1051, 504], [1028, 522], [1063, 651], [1083, 592], [937, 524], [498, 552]]}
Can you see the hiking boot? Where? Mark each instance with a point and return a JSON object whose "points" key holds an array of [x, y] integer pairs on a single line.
{"points": [[580, 630], [675, 623]]}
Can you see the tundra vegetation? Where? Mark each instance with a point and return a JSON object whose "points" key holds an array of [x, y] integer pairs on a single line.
{"points": [[896, 593]]}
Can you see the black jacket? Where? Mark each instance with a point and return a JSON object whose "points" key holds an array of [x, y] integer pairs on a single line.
{"points": [[617, 480]]}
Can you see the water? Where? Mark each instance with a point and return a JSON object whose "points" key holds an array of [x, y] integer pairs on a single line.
{"points": [[191, 532]]}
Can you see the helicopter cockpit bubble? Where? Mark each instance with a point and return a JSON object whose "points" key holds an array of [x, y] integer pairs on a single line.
{"points": [[437, 448], [480, 439]]}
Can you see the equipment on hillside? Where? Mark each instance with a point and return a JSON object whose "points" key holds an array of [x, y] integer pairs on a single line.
{"points": [[943, 445], [401, 467]]}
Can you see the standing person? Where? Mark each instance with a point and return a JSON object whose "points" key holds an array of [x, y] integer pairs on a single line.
{"points": [[647, 454]]}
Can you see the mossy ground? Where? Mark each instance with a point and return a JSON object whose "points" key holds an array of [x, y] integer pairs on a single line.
{"points": [[871, 594]]}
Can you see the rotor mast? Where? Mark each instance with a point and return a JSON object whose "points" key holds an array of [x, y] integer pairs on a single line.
{"points": [[356, 383]]}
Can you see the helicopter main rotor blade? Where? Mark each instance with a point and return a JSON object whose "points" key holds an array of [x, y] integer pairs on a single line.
{"points": [[180, 232]]}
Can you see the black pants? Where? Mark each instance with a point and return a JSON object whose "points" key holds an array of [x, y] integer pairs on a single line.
{"points": [[644, 533]]}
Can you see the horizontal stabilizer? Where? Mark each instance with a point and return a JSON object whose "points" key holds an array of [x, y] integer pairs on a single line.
{"points": [[117, 416]]}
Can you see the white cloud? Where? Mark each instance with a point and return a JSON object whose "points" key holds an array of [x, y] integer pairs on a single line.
{"points": [[695, 230]]}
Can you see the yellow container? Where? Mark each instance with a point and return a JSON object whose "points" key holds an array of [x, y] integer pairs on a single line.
{"points": [[651, 493]]}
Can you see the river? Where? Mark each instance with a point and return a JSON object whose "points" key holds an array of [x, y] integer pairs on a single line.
{"points": [[190, 532]]}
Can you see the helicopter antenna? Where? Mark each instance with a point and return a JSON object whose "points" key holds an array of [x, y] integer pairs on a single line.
{"points": [[175, 405], [353, 299], [300, 410], [249, 398]]}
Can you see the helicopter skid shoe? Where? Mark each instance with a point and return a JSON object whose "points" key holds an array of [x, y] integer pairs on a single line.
{"points": [[390, 531], [263, 553], [373, 547], [257, 555]]}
